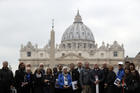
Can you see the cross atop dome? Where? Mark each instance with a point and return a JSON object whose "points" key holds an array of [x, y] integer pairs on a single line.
{"points": [[52, 23], [78, 18]]}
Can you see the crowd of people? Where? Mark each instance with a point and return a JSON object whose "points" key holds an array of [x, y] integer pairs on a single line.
{"points": [[73, 79]]}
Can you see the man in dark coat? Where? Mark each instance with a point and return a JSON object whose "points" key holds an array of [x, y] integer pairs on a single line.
{"points": [[6, 78], [79, 69], [105, 73], [109, 82], [75, 77], [96, 78]]}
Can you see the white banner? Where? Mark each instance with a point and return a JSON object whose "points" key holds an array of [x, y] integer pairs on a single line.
{"points": [[97, 85]]}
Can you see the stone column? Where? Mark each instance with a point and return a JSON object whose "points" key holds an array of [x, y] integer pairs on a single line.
{"points": [[52, 49]]}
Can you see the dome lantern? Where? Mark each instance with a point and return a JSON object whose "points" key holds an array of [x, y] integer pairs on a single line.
{"points": [[78, 18]]}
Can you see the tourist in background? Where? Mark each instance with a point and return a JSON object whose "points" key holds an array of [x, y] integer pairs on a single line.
{"points": [[55, 72], [38, 81], [96, 78], [60, 67], [6, 78], [28, 65], [109, 82], [85, 78], [127, 64], [48, 81], [41, 67], [65, 81], [20, 78], [79, 67]]}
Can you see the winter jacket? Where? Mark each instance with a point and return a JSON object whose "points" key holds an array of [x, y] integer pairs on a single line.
{"points": [[85, 77], [6, 77], [61, 80], [120, 74]]}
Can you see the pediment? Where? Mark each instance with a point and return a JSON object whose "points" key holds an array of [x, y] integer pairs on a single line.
{"points": [[71, 56]]}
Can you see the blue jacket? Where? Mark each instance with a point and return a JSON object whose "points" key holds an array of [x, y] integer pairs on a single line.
{"points": [[120, 74], [61, 80]]}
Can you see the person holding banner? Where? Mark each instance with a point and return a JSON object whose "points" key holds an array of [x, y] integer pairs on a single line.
{"points": [[96, 79]]}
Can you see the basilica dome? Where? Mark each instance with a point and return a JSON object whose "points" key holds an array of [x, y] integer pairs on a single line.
{"points": [[78, 31]]}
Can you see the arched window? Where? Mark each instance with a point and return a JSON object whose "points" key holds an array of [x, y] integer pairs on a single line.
{"points": [[28, 54], [63, 45], [69, 45], [102, 54], [80, 54], [41, 54], [84, 45], [63, 54], [90, 46], [115, 54]]}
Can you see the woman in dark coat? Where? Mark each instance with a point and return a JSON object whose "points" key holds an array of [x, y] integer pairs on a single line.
{"points": [[126, 81], [109, 82], [135, 79], [48, 82], [55, 74], [38, 82], [20, 78]]}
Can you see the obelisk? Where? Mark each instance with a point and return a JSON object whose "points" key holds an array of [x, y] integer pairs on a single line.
{"points": [[52, 46]]}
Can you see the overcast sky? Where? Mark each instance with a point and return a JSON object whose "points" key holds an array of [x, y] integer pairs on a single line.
{"points": [[30, 20]]}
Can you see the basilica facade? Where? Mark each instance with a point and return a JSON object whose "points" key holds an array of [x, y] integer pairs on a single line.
{"points": [[77, 44]]}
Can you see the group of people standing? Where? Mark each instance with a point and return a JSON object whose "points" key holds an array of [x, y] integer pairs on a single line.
{"points": [[83, 79]]}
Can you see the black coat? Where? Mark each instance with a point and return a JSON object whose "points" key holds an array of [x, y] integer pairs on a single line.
{"points": [[78, 77], [19, 78], [93, 73], [105, 73], [134, 83], [6, 77], [111, 76], [127, 80], [75, 75], [49, 86], [29, 87], [38, 84]]}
